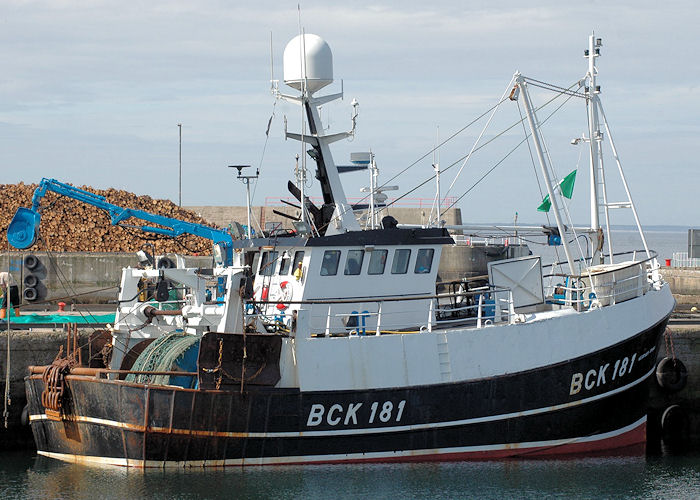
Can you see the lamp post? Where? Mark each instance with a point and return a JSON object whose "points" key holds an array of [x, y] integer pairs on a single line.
{"points": [[179, 199]]}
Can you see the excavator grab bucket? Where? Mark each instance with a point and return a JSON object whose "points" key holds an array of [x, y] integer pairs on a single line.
{"points": [[21, 232]]}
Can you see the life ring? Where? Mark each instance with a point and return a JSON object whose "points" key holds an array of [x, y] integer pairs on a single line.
{"points": [[671, 374], [283, 296]]}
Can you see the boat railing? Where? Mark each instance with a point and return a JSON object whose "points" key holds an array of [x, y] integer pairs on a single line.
{"points": [[110, 373], [605, 285], [682, 259], [470, 241], [480, 307]]}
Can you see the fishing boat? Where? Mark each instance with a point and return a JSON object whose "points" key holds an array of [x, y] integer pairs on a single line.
{"points": [[330, 343]]}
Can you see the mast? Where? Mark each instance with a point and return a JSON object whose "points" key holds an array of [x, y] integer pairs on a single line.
{"points": [[594, 134], [372, 191], [309, 74], [520, 82], [300, 176]]}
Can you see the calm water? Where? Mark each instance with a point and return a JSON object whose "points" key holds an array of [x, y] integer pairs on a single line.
{"points": [[26, 476]]}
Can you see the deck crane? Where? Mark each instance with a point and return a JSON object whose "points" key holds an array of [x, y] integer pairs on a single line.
{"points": [[24, 227]]}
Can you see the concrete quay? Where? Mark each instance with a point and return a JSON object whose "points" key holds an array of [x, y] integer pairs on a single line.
{"points": [[685, 285]]}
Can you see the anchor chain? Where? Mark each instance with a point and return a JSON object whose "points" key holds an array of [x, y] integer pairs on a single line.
{"points": [[668, 339]]}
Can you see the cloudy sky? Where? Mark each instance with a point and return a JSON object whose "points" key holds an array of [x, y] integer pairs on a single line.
{"points": [[91, 92]]}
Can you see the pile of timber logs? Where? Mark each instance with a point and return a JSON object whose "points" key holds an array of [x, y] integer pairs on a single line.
{"points": [[68, 225]]}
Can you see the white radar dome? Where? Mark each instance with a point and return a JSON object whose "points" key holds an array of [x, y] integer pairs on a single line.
{"points": [[308, 56]]}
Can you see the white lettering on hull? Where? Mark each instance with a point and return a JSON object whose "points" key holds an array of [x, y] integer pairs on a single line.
{"points": [[337, 413], [596, 377]]}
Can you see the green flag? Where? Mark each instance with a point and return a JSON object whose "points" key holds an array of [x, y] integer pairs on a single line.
{"points": [[566, 186]]}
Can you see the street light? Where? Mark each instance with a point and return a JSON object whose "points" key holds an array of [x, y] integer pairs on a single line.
{"points": [[179, 199]]}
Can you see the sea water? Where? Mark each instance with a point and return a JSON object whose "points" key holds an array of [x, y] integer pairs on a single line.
{"points": [[23, 475]]}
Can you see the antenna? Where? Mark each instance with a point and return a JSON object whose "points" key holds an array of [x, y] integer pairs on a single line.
{"points": [[434, 218], [272, 64], [299, 16], [304, 87], [246, 180]]}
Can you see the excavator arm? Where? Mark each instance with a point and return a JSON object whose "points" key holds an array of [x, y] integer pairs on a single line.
{"points": [[24, 227]]}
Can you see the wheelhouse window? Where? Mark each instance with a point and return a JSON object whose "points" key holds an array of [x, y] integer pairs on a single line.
{"points": [[252, 259], [353, 262], [377, 262], [329, 266], [298, 259], [284, 264], [268, 263], [424, 260], [400, 263]]}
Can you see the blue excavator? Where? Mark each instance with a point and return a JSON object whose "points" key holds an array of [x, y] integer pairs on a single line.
{"points": [[23, 229]]}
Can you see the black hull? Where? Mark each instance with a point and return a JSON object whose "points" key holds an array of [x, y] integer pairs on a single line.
{"points": [[586, 405]]}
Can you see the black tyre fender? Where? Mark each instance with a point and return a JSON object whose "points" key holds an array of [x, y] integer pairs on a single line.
{"points": [[165, 263], [674, 424], [671, 374], [31, 280], [31, 262], [30, 294]]}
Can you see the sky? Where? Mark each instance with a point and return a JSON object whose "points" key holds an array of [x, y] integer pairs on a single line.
{"points": [[91, 93]]}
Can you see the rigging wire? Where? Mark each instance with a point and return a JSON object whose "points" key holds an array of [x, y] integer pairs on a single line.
{"points": [[550, 166], [476, 149], [514, 148], [431, 151], [7, 399], [483, 131], [264, 149], [560, 93], [65, 284], [532, 158], [557, 88], [421, 158]]}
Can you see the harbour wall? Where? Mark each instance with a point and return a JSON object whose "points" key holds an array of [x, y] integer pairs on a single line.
{"points": [[78, 277], [685, 284], [28, 347], [674, 415], [223, 216]]}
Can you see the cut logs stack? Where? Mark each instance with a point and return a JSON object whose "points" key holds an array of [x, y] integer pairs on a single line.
{"points": [[68, 225]]}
